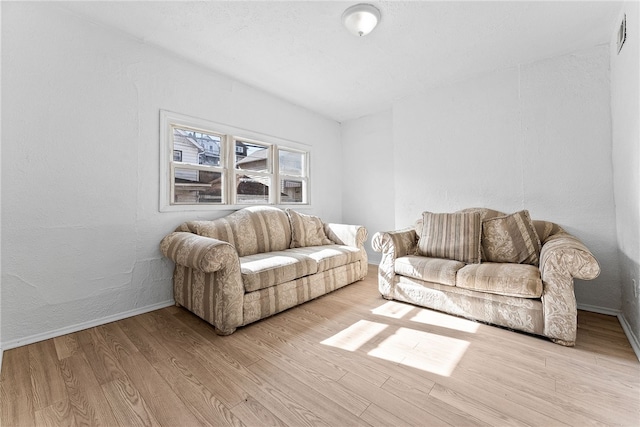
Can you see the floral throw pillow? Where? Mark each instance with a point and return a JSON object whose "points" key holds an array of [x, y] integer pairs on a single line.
{"points": [[511, 238], [306, 230]]}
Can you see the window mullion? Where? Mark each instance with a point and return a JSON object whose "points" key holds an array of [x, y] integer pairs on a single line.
{"points": [[276, 175]]}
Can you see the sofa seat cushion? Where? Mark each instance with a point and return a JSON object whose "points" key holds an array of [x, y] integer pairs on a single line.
{"points": [[516, 280], [330, 256], [437, 270], [261, 271]]}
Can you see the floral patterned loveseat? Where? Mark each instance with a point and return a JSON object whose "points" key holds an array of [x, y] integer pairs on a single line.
{"points": [[481, 264], [259, 261]]}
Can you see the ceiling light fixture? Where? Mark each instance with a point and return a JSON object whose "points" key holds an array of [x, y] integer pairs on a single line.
{"points": [[361, 19]]}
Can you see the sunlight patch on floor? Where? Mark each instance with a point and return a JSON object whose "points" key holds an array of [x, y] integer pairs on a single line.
{"points": [[393, 309], [399, 310], [442, 320], [422, 350], [356, 335]]}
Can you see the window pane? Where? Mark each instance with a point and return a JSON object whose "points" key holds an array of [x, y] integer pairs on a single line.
{"points": [[194, 186], [291, 191], [252, 157], [252, 189], [291, 163], [196, 147]]}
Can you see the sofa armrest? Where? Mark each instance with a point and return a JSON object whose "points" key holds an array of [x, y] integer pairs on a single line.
{"points": [[563, 251], [343, 234], [392, 244], [198, 252], [397, 243], [563, 258], [206, 278], [350, 235]]}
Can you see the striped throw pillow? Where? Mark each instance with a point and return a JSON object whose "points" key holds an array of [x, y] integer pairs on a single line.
{"points": [[451, 236], [511, 238], [306, 230]]}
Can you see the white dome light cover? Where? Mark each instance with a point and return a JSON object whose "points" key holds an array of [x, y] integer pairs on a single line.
{"points": [[361, 19]]}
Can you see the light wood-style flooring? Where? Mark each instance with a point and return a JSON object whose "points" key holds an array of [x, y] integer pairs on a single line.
{"points": [[348, 358]]}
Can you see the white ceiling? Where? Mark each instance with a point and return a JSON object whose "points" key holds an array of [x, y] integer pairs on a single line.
{"points": [[300, 51]]}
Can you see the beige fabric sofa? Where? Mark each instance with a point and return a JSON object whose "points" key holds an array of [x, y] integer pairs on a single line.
{"points": [[259, 261], [536, 296]]}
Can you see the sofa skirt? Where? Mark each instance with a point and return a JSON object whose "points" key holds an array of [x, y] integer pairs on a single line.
{"points": [[266, 302], [523, 314]]}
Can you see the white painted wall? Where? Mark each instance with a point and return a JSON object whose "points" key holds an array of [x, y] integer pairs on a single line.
{"points": [[80, 165], [535, 137], [367, 197], [1, 351], [625, 113]]}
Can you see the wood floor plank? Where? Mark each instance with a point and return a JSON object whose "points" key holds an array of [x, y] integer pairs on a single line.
{"points": [[17, 404], [180, 343], [129, 408], [305, 394], [66, 346], [86, 398], [270, 341], [421, 397], [378, 417], [160, 396], [58, 414], [374, 369], [496, 396], [254, 387], [16, 407], [313, 338], [46, 380], [200, 400], [244, 356], [252, 413], [167, 408], [472, 407], [550, 403], [413, 415], [300, 368], [103, 361]]}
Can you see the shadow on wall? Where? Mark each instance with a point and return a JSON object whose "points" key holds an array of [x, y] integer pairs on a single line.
{"points": [[630, 270]]}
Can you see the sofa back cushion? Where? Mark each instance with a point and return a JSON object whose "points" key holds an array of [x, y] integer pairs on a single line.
{"points": [[485, 213], [511, 238], [451, 236], [251, 230], [306, 230]]}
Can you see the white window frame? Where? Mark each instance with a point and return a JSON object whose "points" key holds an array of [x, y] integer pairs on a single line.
{"points": [[229, 134], [270, 173], [304, 178]]}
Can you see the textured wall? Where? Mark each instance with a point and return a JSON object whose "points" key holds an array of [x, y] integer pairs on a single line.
{"points": [[625, 93], [0, 205], [536, 137], [80, 164], [367, 197]]}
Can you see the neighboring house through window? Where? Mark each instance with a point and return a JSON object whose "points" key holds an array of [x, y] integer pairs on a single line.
{"points": [[216, 165]]}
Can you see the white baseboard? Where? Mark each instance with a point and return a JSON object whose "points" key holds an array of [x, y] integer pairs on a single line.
{"points": [[598, 309], [633, 340], [1, 351], [81, 326]]}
